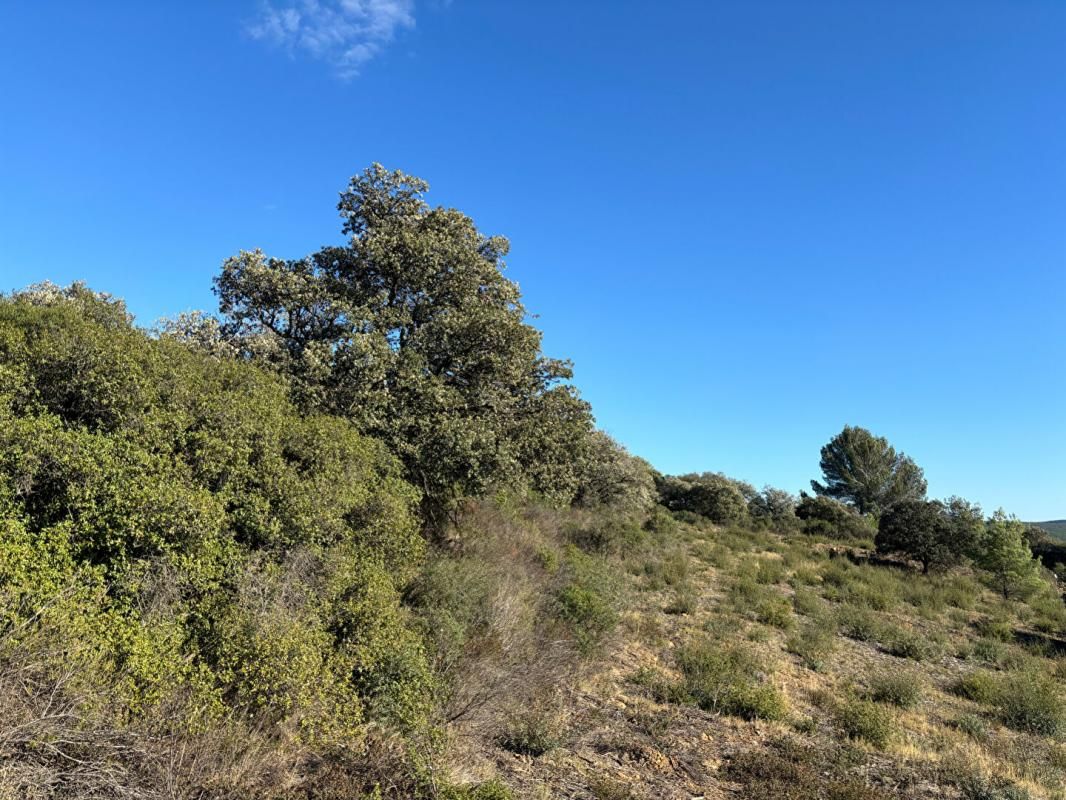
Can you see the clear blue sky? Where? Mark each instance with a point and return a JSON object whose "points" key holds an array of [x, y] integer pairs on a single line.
{"points": [[747, 222]]}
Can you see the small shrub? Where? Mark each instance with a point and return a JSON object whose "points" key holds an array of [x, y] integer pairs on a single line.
{"points": [[670, 569], [973, 726], [1031, 703], [814, 644], [977, 787], [862, 719], [859, 623], [615, 534], [906, 643], [805, 725], [490, 790], [805, 576], [902, 689], [770, 571], [806, 602], [989, 651], [605, 788], [1000, 630], [587, 602], [775, 611], [980, 687], [685, 601], [755, 701], [725, 680], [531, 733]]}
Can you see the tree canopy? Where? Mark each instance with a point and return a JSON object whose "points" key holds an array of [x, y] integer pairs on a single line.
{"points": [[867, 472], [411, 330]]}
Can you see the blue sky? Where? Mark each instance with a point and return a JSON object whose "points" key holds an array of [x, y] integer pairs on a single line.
{"points": [[747, 222]]}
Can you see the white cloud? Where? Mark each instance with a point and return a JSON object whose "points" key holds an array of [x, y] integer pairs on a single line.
{"points": [[344, 33]]}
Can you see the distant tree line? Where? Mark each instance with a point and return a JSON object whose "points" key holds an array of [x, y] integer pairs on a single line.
{"points": [[870, 490]]}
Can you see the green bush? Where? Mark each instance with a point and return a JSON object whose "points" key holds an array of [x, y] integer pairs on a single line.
{"points": [[813, 644], [902, 689], [859, 624], [533, 732], [806, 602], [685, 601], [252, 552], [911, 644], [669, 568], [725, 680], [770, 571], [588, 601], [775, 611], [973, 726], [977, 787], [990, 651], [1030, 702], [1000, 630], [865, 720], [980, 687], [490, 790], [609, 534]]}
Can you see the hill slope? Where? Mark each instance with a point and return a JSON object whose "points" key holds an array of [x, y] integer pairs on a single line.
{"points": [[781, 667], [1054, 527]]}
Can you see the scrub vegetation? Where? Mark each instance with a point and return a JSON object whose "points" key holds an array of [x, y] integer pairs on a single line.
{"points": [[356, 536]]}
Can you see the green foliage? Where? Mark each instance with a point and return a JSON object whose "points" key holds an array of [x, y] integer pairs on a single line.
{"points": [[823, 516], [608, 534], [490, 790], [902, 689], [936, 535], [859, 623], [411, 330], [685, 600], [909, 643], [865, 720], [980, 687], [609, 477], [711, 495], [865, 471], [775, 611], [1005, 555], [532, 732], [725, 680], [173, 511], [814, 644], [588, 600], [1030, 702], [774, 508], [977, 787]]}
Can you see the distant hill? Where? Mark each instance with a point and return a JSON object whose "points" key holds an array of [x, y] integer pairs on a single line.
{"points": [[1055, 527]]}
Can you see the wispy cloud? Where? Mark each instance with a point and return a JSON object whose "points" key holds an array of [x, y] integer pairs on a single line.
{"points": [[344, 33]]}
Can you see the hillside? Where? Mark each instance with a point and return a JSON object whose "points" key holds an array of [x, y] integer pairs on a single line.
{"points": [[751, 663], [1055, 527], [358, 538]]}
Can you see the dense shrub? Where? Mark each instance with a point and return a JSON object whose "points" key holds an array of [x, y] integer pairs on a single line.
{"points": [[903, 689], [725, 680], [935, 534], [1030, 702], [862, 719], [722, 500], [823, 516], [609, 477], [980, 687], [200, 537], [773, 508], [588, 600]]}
